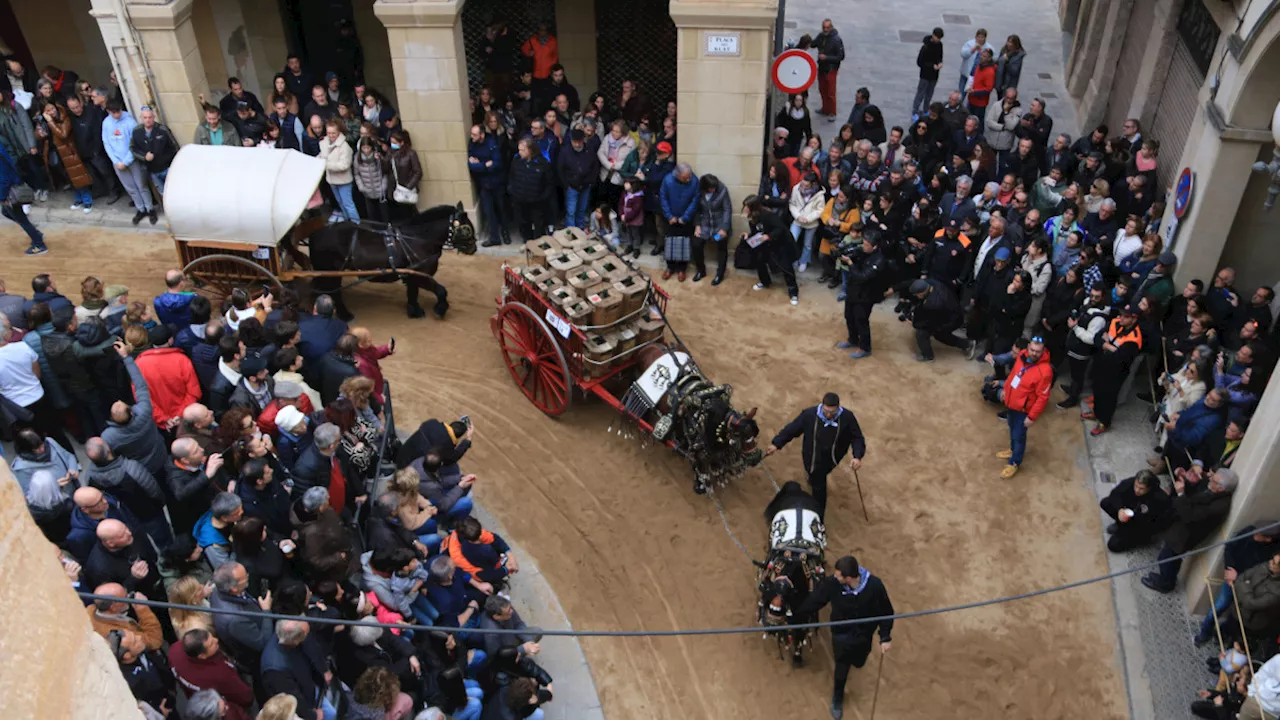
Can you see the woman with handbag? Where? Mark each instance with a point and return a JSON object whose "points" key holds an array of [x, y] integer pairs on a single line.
{"points": [[406, 174], [13, 195]]}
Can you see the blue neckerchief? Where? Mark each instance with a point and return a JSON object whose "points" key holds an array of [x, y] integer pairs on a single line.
{"points": [[863, 576], [833, 422]]}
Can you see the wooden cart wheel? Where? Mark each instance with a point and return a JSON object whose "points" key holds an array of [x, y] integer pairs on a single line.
{"points": [[534, 358], [215, 276]]}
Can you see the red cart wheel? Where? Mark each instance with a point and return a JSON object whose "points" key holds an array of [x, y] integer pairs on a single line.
{"points": [[534, 358]]}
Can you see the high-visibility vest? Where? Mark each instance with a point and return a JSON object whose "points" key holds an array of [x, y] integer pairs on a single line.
{"points": [[1120, 335]]}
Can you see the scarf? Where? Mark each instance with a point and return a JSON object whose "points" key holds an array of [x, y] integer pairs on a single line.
{"points": [[613, 145], [797, 113], [43, 457], [864, 575], [833, 422], [93, 304]]}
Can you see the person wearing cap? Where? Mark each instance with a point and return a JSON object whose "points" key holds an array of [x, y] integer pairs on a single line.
{"points": [[1140, 509], [577, 168], [1157, 286], [782, 148], [171, 377], [830, 432], [1120, 345], [1025, 394], [936, 317], [947, 258], [990, 283], [1195, 517], [653, 171], [256, 388]]}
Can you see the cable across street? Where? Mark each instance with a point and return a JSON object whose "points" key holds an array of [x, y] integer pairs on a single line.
{"points": [[696, 631]]}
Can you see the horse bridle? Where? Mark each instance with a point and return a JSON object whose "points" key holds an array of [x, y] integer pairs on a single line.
{"points": [[455, 225]]}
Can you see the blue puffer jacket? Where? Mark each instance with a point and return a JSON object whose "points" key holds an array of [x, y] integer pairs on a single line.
{"points": [[1195, 423], [174, 309], [489, 177], [679, 200]]}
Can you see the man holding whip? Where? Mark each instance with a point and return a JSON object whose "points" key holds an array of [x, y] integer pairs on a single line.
{"points": [[829, 432], [854, 594]]}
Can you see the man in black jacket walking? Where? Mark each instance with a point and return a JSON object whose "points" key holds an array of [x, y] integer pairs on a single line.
{"points": [[866, 288], [929, 60], [936, 316], [829, 432], [854, 593]]}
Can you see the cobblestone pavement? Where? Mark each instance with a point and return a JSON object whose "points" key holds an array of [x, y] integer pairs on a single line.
{"points": [[882, 38]]}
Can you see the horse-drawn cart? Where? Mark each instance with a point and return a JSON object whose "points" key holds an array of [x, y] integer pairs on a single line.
{"points": [[579, 317], [239, 217]]}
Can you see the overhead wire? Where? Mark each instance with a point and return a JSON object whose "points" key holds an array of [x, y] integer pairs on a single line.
{"points": [[696, 631]]}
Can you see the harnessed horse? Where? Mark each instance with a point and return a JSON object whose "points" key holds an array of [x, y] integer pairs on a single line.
{"points": [[793, 566], [409, 251], [718, 441]]}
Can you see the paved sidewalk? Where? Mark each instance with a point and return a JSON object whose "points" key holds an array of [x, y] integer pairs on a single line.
{"points": [[881, 40]]}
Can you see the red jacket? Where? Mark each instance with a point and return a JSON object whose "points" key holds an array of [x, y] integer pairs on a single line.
{"points": [[1026, 390], [267, 418], [367, 364], [984, 81], [215, 673], [172, 380]]}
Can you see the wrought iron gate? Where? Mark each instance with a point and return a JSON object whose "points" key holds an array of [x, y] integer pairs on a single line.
{"points": [[522, 18], [636, 39]]}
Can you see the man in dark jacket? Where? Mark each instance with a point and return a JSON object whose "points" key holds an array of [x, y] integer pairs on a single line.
{"points": [[830, 431], [577, 168], [338, 365], [264, 496], [1121, 344], [257, 388], [362, 648], [299, 82], [319, 466], [853, 593], [489, 170], [556, 84], [131, 431], [1140, 509], [287, 667], [1238, 556], [192, 481], [45, 290], [992, 279], [319, 333], [86, 126], [530, 189], [865, 288], [153, 145], [204, 357], [132, 484], [92, 507], [1024, 163], [451, 441], [1195, 516], [227, 105], [830, 47], [120, 557], [244, 638], [290, 125], [937, 315], [929, 60]]}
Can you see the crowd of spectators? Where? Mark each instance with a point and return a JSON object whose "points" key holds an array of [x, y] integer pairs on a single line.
{"points": [[240, 457], [58, 131]]}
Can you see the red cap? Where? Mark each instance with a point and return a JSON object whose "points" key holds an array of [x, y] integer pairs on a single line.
{"points": [[664, 147]]}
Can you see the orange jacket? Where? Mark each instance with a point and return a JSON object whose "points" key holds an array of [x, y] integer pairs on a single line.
{"points": [[544, 55], [453, 545], [1026, 390]]}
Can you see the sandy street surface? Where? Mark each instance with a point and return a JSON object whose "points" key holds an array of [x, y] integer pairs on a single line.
{"points": [[625, 543]]}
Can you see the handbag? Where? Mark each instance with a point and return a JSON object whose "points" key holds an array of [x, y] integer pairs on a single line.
{"points": [[20, 194], [402, 194], [743, 258]]}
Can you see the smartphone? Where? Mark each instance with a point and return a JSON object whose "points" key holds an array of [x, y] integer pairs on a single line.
{"points": [[466, 420], [393, 343]]}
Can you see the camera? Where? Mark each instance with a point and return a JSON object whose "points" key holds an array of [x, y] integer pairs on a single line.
{"points": [[991, 388], [906, 308]]}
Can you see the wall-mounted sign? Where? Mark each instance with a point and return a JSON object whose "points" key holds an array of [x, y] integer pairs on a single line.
{"points": [[722, 44], [794, 71]]}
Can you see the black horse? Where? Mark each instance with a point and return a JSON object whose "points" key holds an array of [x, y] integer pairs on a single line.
{"points": [[699, 417], [413, 247], [793, 566]]}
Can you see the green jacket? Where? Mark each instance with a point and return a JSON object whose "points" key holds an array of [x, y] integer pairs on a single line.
{"points": [[229, 135]]}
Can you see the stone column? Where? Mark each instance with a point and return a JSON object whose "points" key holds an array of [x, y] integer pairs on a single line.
{"points": [[722, 98], [1085, 48], [176, 75], [428, 59], [1097, 83], [576, 33], [52, 663], [1221, 159]]}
